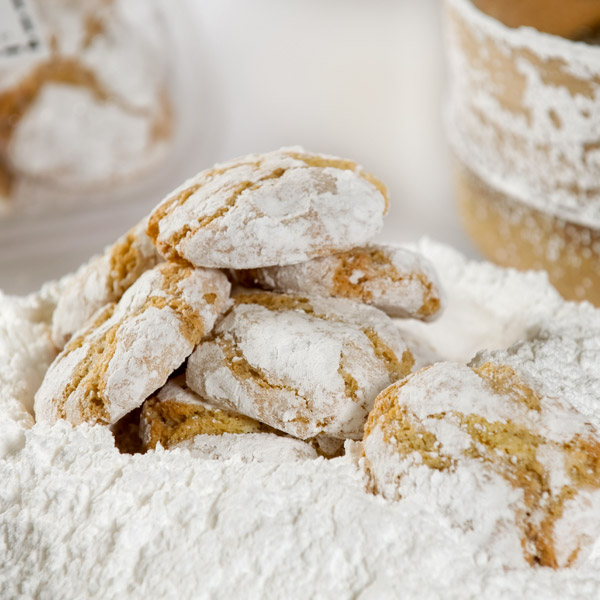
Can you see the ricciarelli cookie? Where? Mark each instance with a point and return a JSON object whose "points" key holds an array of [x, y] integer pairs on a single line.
{"points": [[308, 366], [178, 418], [516, 469], [105, 279], [176, 414], [397, 281], [128, 350], [278, 208]]}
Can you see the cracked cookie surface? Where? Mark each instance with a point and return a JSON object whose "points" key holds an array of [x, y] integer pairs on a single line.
{"points": [[127, 350], [307, 366], [514, 468], [277, 208], [103, 280], [397, 281]]}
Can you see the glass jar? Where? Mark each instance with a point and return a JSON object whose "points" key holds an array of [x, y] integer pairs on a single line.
{"points": [[90, 112], [96, 129]]}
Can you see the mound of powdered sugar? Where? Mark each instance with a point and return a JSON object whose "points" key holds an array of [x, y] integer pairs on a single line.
{"points": [[79, 519]]}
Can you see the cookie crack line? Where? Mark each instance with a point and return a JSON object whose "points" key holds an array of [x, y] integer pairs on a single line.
{"points": [[188, 230], [239, 365]]}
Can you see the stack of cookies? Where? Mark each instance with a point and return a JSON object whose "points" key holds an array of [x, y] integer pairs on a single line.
{"points": [[249, 303], [248, 316]]}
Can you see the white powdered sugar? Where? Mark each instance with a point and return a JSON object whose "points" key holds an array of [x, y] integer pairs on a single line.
{"points": [[26, 352], [524, 112], [78, 519], [248, 447], [485, 307]]}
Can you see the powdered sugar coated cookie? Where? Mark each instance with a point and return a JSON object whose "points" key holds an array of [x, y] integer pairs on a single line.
{"points": [[303, 365], [129, 349], [399, 282], [517, 470], [278, 208]]}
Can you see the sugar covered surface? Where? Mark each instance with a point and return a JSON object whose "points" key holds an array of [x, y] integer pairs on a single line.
{"points": [[248, 447], [269, 209], [79, 519]]}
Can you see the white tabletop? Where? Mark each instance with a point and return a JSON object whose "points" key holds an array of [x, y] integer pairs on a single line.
{"points": [[346, 77]]}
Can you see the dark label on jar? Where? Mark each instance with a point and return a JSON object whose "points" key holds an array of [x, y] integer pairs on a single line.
{"points": [[20, 31]]}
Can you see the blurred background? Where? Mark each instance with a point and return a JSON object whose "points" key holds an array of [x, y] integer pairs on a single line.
{"points": [[363, 80]]}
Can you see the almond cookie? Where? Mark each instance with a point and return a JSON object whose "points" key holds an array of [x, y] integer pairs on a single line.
{"points": [[397, 281], [279, 208], [178, 418], [517, 470], [128, 350], [304, 365], [176, 414], [103, 280]]}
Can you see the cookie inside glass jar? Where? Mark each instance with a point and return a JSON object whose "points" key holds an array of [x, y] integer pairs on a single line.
{"points": [[94, 109]]}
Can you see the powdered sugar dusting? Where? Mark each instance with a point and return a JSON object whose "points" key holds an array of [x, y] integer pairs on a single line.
{"points": [[277, 208], [486, 306], [170, 523], [248, 447]]}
